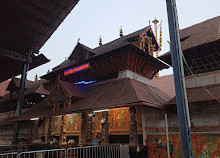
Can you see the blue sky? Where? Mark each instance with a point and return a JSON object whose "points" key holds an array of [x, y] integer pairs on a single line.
{"points": [[93, 18]]}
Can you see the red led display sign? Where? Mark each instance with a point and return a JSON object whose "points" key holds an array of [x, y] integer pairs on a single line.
{"points": [[76, 69]]}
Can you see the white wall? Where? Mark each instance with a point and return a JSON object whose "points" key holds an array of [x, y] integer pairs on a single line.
{"points": [[204, 79]]}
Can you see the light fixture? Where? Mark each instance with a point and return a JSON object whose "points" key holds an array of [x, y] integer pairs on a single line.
{"points": [[85, 82], [101, 110], [34, 119]]}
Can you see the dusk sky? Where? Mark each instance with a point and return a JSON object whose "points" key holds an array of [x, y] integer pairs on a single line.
{"points": [[91, 19]]}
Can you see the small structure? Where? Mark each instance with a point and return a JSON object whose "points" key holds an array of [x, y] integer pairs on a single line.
{"points": [[35, 92]]}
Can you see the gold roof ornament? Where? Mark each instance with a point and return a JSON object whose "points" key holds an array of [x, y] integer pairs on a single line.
{"points": [[121, 32], [100, 40]]}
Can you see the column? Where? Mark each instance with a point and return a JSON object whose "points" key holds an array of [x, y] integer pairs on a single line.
{"points": [[86, 130], [63, 130], [133, 137], [48, 129], [35, 130], [105, 128]]}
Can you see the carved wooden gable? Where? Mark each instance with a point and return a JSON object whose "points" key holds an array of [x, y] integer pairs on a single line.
{"points": [[59, 98], [58, 93]]}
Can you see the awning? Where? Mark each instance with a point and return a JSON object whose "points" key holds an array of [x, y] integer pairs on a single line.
{"points": [[27, 25]]}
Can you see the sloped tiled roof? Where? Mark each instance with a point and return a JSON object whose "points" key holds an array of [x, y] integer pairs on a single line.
{"points": [[72, 89], [16, 82], [166, 84], [31, 87], [199, 94], [199, 34], [108, 94], [122, 41], [115, 44]]}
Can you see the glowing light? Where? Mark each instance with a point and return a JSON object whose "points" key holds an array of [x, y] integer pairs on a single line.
{"points": [[34, 119], [101, 110], [76, 69], [85, 82]]}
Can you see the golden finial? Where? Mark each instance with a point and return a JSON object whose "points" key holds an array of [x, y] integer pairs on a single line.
{"points": [[155, 21], [100, 40], [121, 32]]}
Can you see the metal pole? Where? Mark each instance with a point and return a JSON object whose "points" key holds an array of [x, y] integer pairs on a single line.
{"points": [[181, 99], [167, 136], [20, 102]]}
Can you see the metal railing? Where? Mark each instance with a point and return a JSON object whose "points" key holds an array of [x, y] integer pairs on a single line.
{"points": [[9, 155], [94, 152], [112, 151], [53, 153]]}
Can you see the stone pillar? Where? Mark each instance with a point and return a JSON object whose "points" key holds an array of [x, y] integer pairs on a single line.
{"points": [[105, 128], [48, 129], [133, 137], [89, 129], [63, 130], [86, 130]]}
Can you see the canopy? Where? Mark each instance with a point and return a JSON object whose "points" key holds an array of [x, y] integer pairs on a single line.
{"points": [[26, 25]]}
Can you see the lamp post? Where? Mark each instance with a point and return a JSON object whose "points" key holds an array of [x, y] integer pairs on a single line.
{"points": [[181, 98]]}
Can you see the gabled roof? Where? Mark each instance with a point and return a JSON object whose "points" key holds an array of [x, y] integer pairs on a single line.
{"points": [[81, 52], [32, 87], [109, 94], [113, 45], [122, 41], [15, 82]]}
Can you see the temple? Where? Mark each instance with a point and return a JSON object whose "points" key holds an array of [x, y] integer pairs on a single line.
{"points": [[112, 95]]}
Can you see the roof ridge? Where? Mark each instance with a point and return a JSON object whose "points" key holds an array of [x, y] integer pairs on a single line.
{"points": [[207, 20], [123, 38]]}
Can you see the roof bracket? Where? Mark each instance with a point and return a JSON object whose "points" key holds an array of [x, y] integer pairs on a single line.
{"points": [[17, 56]]}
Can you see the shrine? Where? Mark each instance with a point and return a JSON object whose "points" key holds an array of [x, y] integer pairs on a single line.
{"points": [[97, 95]]}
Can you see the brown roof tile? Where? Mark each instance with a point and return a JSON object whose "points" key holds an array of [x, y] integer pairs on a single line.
{"points": [[198, 94], [166, 84], [108, 94], [72, 89], [31, 87], [197, 35], [113, 45]]}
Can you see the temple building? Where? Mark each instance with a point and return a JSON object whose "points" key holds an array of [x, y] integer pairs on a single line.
{"points": [[99, 94], [111, 95]]}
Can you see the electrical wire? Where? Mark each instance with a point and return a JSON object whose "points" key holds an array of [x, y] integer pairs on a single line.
{"points": [[199, 81]]}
